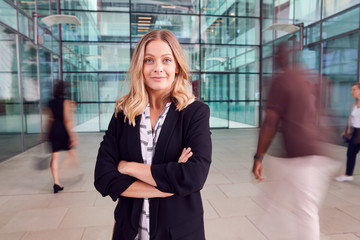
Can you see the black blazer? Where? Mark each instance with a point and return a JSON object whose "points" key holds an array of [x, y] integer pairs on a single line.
{"points": [[179, 216]]}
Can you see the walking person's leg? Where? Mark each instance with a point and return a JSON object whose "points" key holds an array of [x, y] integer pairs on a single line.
{"points": [[54, 165]]}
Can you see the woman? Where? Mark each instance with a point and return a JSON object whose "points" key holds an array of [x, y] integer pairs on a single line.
{"points": [[353, 130], [61, 136], [155, 156]]}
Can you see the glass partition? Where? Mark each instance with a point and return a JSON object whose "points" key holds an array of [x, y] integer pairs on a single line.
{"points": [[342, 23], [230, 30], [340, 66], [185, 27], [10, 108], [166, 6]]}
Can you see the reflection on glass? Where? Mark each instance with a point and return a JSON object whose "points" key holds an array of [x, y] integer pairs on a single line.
{"points": [[226, 30], [229, 59], [27, 6], [334, 6], [8, 14], [340, 66], [104, 5], [219, 114], [312, 33], [10, 115], [31, 93], [97, 26], [307, 11], [96, 57], [192, 53], [185, 27], [243, 114], [43, 6], [342, 23], [24, 25], [166, 6], [231, 8]]}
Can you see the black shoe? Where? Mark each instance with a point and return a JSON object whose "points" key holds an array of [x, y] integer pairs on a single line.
{"points": [[57, 188]]}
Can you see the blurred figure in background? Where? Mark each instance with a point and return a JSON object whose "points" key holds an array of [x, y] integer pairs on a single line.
{"points": [[60, 134], [352, 134], [302, 170]]}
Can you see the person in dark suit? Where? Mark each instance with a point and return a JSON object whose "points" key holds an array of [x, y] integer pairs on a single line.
{"points": [[155, 156]]}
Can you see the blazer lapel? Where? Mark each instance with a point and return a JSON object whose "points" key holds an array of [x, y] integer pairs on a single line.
{"points": [[134, 145], [165, 134]]}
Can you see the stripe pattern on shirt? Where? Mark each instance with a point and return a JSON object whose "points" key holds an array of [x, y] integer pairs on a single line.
{"points": [[148, 139]]}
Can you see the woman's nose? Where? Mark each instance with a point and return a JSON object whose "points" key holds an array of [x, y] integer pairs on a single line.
{"points": [[158, 67]]}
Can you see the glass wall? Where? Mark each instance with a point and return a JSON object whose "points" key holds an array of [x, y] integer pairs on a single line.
{"points": [[221, 40], [331, 49], [27, 74]]}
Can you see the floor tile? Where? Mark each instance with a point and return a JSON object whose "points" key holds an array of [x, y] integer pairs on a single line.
{"points": [[98, 233], [88, 217], [334, 221], [35, 220], [231, 229], [235, 207], [58, 234]]}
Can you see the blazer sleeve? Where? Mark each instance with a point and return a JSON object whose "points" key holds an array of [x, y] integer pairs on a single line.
{"points": [[186, 178], [108, 180]]}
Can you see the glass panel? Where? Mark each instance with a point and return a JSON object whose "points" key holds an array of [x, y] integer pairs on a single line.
{"points": [[31, 93], [166, 6], [226, 30], [97, 26], [230, 59], [342, 23], [27, 6], [24, 25], [45, 38], [340, 66], [43, 7], [310, 58], [307, 11], [215, 87], [10, 115], [103, 5], [53, 4], [243, 114], [45, 80], [8, 14], [231, 7], [334, 6], [111, 87], [219, 114], [85, 91], [312, 33], [192, 53], [97, 57], [185, 28]]}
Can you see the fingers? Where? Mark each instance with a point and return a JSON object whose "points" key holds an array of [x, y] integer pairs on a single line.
{"points": [[257, 171], [185, 155]]}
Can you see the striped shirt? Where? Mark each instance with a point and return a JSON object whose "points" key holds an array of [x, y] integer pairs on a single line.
{"points": [[148, 140]]}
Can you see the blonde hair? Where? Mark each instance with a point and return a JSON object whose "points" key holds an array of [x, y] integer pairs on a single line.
{"points": [[134, 103]]}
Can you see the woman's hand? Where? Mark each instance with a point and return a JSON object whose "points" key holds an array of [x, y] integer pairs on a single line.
{"points": [[185, 155]]}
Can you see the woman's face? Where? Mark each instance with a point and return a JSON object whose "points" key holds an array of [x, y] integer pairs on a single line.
{"points": [[159, 67], [355, 92]]}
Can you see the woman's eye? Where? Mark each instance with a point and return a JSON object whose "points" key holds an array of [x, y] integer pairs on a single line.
{"points": [[167, 60], [148, 60]]}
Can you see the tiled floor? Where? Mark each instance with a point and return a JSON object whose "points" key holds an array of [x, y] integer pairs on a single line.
{"points": [[234, 204]]}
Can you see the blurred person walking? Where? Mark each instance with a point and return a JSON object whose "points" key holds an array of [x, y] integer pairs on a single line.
{"points": [[352, 134], [156, 154], [302, 169], [60, 134]]}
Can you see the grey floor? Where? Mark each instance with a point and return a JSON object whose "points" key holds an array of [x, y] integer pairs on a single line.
{"points": [[233, 202]]}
